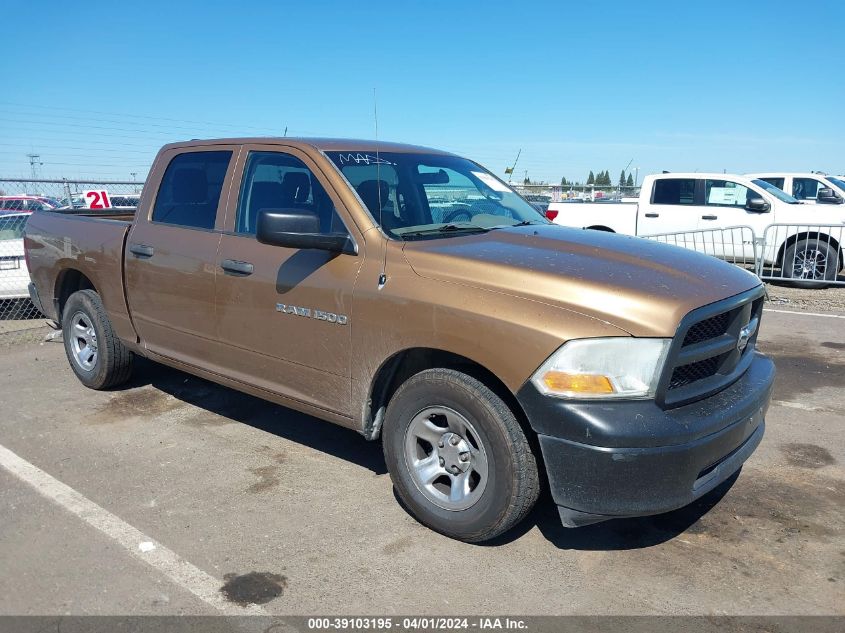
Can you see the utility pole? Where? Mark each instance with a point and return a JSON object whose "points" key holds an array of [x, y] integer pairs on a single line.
{"points": [[34, 164]]}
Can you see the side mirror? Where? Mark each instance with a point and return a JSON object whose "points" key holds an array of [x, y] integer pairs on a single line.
{"points": [[826, 195], [298, 228], [757, 205]]}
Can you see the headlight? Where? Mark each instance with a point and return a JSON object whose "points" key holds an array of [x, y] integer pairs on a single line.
{"points": [[603, 368]]}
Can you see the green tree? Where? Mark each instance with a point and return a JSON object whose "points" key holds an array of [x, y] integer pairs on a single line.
{"points": [[622, 179], [630, 182], [563, 182], [591, 179]]}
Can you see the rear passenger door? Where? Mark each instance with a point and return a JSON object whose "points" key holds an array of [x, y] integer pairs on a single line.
{"points": [[674, 206], [171, 253]]}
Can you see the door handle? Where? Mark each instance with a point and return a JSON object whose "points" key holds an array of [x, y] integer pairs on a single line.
{"points": [[141, 250], [709, 217], [234, 267], [652, 215]]}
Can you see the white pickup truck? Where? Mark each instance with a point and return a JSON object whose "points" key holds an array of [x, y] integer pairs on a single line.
{"points": [[809, 188], [678, 202]]}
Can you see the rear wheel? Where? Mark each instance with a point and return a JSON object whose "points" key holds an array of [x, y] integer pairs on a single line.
{"points": [[96, 355], [458, 457], [810, 263]]}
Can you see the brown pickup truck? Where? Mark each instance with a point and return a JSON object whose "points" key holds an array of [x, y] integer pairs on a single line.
{"points": [[411, 295]]}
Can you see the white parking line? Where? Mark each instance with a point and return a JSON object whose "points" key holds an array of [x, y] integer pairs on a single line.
{"points": [[813, 314], [202, 585]]}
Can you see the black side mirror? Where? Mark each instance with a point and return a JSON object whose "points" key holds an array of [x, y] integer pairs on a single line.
{"points": [[298, 228], [826, 195], [757, 205]]}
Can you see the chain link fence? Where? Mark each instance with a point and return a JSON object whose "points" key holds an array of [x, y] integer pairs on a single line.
{"points": [[30, 195], [20, 320], [546, 193]]}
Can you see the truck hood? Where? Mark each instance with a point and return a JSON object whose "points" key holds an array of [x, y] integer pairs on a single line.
{"points": [[638, 285]]}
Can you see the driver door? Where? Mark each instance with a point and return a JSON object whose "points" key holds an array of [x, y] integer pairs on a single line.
{"points": [[284, 315], [725, 206]]}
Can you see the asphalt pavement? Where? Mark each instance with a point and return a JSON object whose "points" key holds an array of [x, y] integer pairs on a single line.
{"points": [[173, 495]]}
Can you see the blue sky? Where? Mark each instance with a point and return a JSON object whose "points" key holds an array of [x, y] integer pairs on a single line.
{"points": [[94, 88]]}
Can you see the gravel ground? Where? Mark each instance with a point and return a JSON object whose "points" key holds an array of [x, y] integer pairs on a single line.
{"points": [[811, 300]]}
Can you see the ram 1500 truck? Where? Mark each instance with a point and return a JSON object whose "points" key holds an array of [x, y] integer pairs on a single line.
{"points": [[808, 248], [411, 295]]}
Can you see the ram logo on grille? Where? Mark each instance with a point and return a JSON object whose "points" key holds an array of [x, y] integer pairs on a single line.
{"points": [[745, 335]]}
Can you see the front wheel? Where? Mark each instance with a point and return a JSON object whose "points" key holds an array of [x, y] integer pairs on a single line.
{"points": [[810, 263], [98, 358], [458, 457]]}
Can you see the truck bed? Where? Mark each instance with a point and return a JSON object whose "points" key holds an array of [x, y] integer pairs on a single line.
{"points": [[91, 243]]}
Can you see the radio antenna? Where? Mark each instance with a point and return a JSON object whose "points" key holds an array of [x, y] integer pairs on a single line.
{"points": [[382, 278]]}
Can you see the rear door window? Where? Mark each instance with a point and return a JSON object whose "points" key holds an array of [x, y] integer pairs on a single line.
{"points": [[674, 191], [190, 190]]}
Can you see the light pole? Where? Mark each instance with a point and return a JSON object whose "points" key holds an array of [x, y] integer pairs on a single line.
{"points": [[133, 174]]}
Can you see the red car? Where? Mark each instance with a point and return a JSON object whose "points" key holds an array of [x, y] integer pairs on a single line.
{"points": [[27, 203]]}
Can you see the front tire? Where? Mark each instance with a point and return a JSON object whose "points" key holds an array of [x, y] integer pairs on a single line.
{"points": [[458, 457], [810, 263], [96, 355]]}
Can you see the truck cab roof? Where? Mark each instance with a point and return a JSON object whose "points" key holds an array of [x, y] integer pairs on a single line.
{"points": [[321, 144]]}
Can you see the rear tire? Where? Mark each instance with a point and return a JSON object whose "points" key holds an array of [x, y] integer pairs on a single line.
{"points": [[810, 263], [458, 457], [96, 355]]}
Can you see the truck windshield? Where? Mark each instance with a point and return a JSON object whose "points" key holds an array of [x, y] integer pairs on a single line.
{"points": [[777, 193], [418, 196], [838, 182]]}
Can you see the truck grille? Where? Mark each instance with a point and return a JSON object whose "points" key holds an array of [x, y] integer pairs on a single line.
{"points": [[707, 353]]}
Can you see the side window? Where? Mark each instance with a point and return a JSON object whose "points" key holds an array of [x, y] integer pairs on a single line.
{"points": [[674, 191], [378, 184], [805, 188], [777, 182], [190, 190], [726, 193], [273, 180], [15, 205]]}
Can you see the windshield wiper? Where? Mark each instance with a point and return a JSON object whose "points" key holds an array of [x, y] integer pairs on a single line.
{"points": [[449, 228]]}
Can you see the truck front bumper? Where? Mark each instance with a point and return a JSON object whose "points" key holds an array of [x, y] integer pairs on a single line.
{"points": [[609, 459]]}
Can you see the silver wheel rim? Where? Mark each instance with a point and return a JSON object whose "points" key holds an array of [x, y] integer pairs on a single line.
{"points": [[809, 264], [83, 341], [447, 461]]}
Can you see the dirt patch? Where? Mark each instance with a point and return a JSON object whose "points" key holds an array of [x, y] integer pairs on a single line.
{"points": [[256, 587], [778, 504], [807, 455], [398, 546], [783, 296], [268, 476], [833, 345], [801, 369], [133, 403]]}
